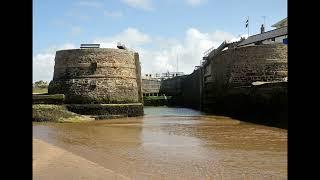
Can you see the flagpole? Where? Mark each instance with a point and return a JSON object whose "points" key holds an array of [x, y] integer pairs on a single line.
{"points": [[248, 26]]}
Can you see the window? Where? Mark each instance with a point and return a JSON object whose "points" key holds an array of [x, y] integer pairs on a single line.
{"points": [[93, 67], [92, 84]]}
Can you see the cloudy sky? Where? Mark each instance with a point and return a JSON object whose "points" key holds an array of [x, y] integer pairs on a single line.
{"points": [[163, 32]]}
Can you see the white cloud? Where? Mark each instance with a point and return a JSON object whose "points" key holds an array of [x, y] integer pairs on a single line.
{"points": [[195, 2], [113, 13], [43, 67], [163, 56], [160, 58], [140, 4], [239, 37], [131, 37], [43, 63], [91, 4]]}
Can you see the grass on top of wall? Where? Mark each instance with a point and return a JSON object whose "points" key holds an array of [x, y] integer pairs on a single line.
{"points": [[39, 90]]}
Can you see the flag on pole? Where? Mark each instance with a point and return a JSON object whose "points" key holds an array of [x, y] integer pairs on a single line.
{"points": [[247, 22]]}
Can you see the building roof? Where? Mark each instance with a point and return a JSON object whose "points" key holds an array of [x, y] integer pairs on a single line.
{"points": [[264, 36], [280, 24]]}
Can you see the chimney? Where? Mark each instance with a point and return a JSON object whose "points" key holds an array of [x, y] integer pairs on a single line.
{"points": [[262, 29]]}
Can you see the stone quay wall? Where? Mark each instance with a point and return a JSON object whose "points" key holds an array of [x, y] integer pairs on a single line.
{"points": [[191, 89], [242, 66], [224, 84]]}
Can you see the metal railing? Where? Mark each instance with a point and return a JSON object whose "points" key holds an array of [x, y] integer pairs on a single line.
{"points": [[90, 46], [212, 52], [205, 54]]}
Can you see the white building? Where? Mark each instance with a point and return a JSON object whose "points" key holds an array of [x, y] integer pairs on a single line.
{"points": [[278, 35], [162, 76]]}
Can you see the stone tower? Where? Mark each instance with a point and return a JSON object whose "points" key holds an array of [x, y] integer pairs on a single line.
{"points": [[97, 76]]}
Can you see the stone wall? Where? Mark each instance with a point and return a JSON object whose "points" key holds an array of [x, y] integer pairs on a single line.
{"points": [[186, 90], [264, 104], [99, 75], [191, 89], [150, 86], [138, 77], [224, 84], [107, 110], [243, 66], [233, 68], [172, 86]]}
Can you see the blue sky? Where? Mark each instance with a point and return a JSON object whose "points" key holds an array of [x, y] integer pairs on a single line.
{"points": [[161, 31]]}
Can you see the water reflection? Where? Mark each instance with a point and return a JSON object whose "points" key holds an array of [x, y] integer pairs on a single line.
{"points": [[175, 144], [171, 111]]}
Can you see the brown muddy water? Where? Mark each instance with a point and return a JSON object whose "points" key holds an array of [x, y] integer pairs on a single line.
{"points": [[174, 143]]}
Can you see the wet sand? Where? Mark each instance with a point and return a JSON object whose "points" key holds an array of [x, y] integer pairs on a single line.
{"points": [[167, 143], [51, 162]]}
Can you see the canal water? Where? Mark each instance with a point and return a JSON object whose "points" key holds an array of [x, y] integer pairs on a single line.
{"points": [[174, 143]]}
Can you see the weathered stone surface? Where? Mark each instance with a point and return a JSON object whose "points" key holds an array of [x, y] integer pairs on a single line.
{"points": [[128, 110], [47, 99], [224, 84], [242, 66], [97, 76], [150, 86]]}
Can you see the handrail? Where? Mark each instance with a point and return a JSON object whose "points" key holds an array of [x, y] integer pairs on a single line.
{"points": [[212, 52], [208, 51]]}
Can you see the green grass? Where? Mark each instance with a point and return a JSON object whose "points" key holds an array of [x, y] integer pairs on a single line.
{"points": [[56, 113], [40, 90]]}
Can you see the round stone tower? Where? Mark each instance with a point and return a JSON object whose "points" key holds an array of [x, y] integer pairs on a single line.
{"points": [[97, 76]]}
